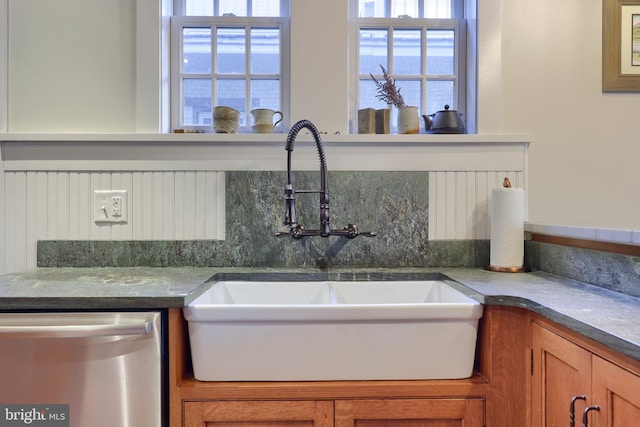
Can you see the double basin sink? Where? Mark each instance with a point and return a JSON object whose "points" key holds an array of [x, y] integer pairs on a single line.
{"points": [[284, 329]]}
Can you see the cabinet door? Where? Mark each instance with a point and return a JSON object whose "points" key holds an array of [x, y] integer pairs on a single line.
{"points": [[617, 392], [410, 413], [259, 413], [561, 370]]}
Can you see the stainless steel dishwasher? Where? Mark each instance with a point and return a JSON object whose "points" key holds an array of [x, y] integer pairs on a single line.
{"points": [[81, 369]]}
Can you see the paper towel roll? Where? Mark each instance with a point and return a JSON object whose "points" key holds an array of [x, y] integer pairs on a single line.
{"points": [[507, 227]]}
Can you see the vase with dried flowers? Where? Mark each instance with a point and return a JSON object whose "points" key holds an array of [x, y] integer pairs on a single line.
{"points": [[408, 118]]}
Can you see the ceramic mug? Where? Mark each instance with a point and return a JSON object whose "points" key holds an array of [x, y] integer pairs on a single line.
{"points": [[225, 119], [263, 120]]}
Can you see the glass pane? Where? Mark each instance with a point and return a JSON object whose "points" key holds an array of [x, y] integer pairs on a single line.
{"points": [[439, 93], [410, 91], [407, 52], [235, 7], [440, 52], [196, 104], [231, 50], [232, 7], [437, 9], [231, 93], [265, 51], [265, 8], [404, 8], [196, 50], [265, 94], [368, 94], [199, 7], [373, 51], [371, 8]]}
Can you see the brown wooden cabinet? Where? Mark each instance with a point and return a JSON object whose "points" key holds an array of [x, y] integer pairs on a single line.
{"points": [[406, 403], [410, 413], [529, 368], [617, 392], [566, 366], [340, 413], [301, 413], [561, 370]]}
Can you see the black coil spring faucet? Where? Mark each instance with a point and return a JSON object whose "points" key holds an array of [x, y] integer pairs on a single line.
{"points": [[296, 230]]}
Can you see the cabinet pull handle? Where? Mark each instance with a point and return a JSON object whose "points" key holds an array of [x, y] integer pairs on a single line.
{"points": [[585, 414], [572, 409]]}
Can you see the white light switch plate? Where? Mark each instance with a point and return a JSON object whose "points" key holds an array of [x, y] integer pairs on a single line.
{"points": [[110, 206]]}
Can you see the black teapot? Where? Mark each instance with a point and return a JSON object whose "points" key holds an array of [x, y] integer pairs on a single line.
{"points": [[444, 121]]}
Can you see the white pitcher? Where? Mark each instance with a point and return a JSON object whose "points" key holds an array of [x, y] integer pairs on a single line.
{"points": [[263, 120]]}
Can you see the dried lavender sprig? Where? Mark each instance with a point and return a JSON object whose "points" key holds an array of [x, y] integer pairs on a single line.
{"points": [[387, 91]]}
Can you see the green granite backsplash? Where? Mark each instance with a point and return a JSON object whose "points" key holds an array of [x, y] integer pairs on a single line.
{"points": [[393, 204], [616, 272]]}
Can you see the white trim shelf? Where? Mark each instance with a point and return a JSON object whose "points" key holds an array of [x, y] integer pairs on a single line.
{"points": [[247, 138], [252, 152]]}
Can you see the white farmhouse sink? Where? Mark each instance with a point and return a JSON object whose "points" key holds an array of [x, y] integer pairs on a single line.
{"points": [[332, 330]]}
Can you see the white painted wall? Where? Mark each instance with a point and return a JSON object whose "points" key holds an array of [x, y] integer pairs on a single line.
{"points": [[71, 66], [584, 163], [539, 73]]}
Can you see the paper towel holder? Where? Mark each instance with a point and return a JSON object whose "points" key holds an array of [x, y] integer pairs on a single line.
{"points": [[524, 269]]}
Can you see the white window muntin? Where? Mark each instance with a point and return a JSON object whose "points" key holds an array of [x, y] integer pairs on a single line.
{"points": [[178, 76], [422, 25], [213, 7], [458, 77]]}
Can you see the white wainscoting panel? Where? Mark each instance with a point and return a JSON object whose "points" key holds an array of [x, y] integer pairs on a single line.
{"points": [[176, 183], [186, 205], [459, 202], [58, 205]]}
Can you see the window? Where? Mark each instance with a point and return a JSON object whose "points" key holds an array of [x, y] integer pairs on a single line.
{"points": [[421, 43], [237, 53], [230, 53]]}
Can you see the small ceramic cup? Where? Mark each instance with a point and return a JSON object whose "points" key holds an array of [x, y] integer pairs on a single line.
{"points": [[225, 119]]}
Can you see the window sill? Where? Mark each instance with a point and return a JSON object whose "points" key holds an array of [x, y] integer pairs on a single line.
{"points": [[249, 138], [224, 152]]}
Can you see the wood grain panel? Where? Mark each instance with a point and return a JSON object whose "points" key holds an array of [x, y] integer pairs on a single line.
{"points": [[615, 390], [259, 414], [410, 413], [562, 370]]}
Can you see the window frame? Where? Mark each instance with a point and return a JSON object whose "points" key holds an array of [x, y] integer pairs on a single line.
{"points": [[457, 25], [178, 22]]}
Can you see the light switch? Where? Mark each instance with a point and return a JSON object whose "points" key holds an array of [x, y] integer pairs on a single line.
{"points": [[110, 206]]}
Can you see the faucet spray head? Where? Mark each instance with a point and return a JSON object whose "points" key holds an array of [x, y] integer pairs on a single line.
{"points": [[290, 217]]}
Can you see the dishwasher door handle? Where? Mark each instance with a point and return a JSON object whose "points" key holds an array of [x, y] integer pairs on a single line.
{"points": [[75, 331]]}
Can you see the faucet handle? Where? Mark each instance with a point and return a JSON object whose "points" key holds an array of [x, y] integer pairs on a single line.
{"points": [[352, 232]]}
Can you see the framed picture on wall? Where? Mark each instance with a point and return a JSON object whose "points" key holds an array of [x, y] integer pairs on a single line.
{"points": [[621, 46]]}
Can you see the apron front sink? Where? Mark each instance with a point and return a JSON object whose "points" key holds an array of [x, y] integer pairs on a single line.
{"points": [[332, 330]]}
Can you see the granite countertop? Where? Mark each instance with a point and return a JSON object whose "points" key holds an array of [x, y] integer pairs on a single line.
{"points": [[608, 317], [101, 288]]}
